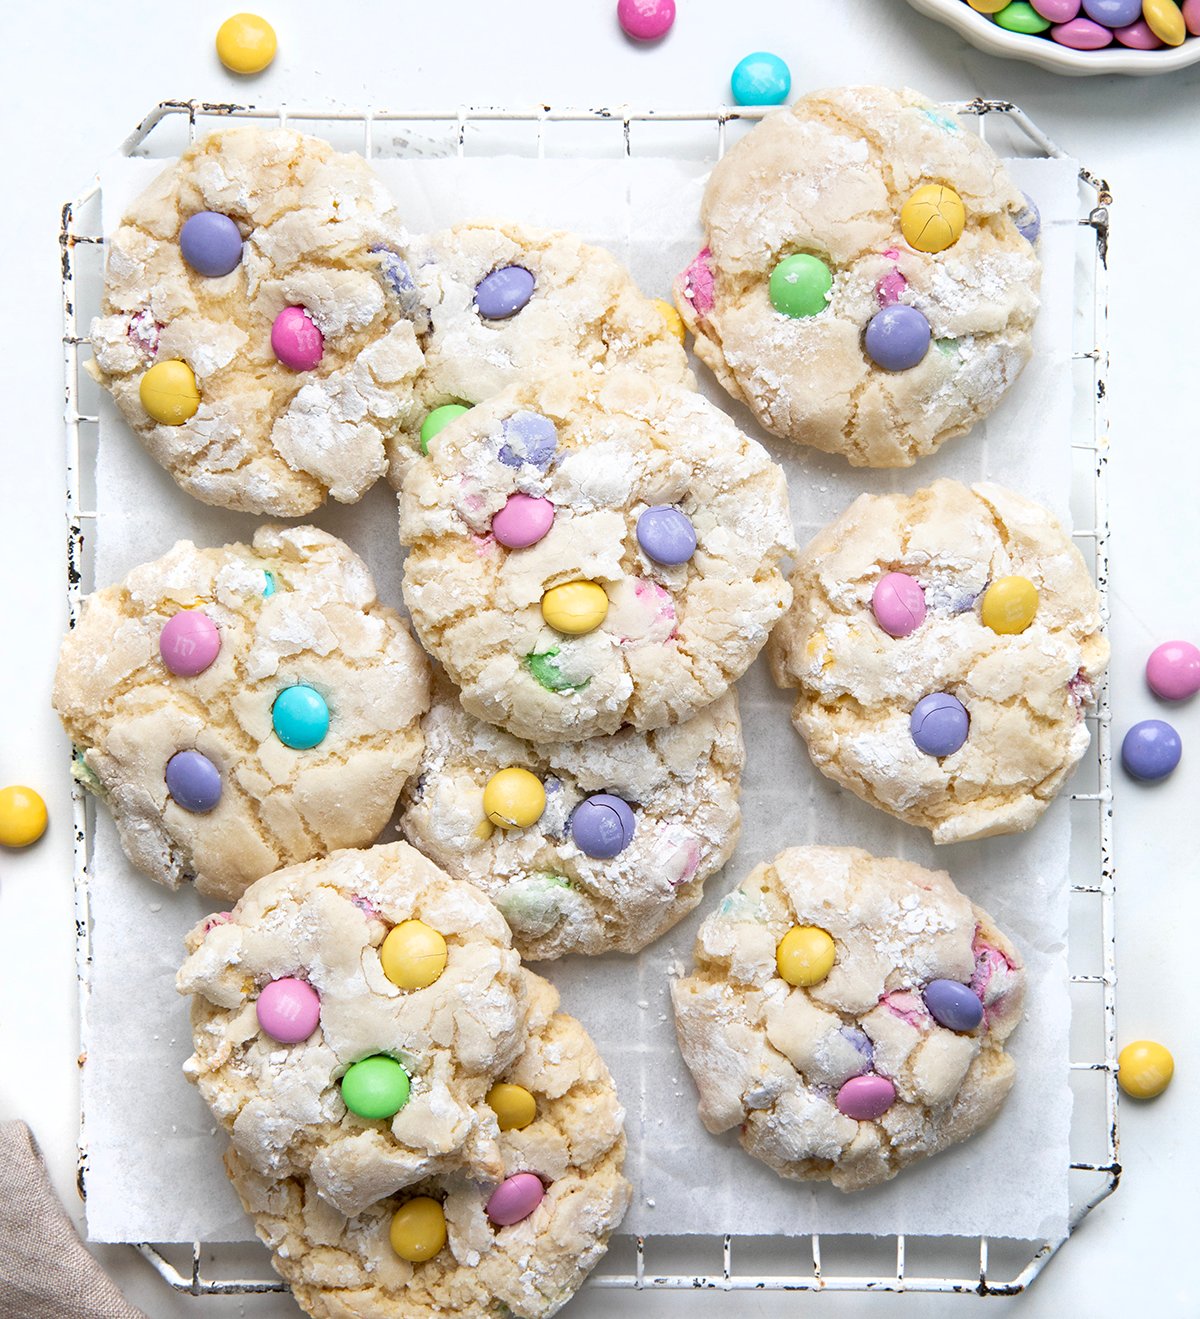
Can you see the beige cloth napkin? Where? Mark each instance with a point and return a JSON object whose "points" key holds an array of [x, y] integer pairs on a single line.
{"points": [[45, 1271]]}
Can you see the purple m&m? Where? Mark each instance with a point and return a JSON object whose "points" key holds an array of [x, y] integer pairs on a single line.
{"points": [[211, 243], [503, 293], [288, 1010], [1151, 750], [523, 521], [515, 1199], [1113, 13], [1028, 220], [939, 724], [646, 20], [296, 341], [602, 826], [1173, 670], [897, 337], [528, 438], [1082, 34], [189, 642], [898, 604], [193, 781], [666, 535], [953, 1005], [865, 1098]]}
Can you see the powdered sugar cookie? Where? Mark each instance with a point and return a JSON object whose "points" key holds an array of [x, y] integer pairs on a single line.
{"points": [[243, 708], [257, 329], [564, 1161], [848, 1014], [945, 646], [863, 287], [505, 301], [588, 551], [550, 864]]}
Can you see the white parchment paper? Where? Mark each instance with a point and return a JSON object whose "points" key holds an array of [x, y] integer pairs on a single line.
{"points": [[154, 1170]]}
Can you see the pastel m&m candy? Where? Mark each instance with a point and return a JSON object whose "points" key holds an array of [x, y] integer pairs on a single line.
{"points": [[546, 669], [666, 535], [523, 521], [800, 286], [528, 438], [1057, 11], [646, 20], [897, 337], [1165, 21], [805, 955], [1113, 13], [987, 6], [377, 1087], [1137, 36], [1021, 17], [1082, 34], [898, 603], [602, 826], [418, 1229], [865, 1098], [189, 642], [760, 79], [211, 243], [515, 1108], [1009, 605], [575, 607], [503, 293], [953, 1005], [1191, 16], [288, 1009], [1144, 1069], [413, 955], [296, 341], [672, 318], [515, 1199], [193, 781], [1151, 750], [514, 798], [168, 393], [300, 717], [438, 420], [1173, 670], [934, 217], [22, 816], [939, 724], [246, 43], [1028, 220]]}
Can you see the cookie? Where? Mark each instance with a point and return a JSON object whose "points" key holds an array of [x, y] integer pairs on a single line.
{"points": [[243, 708], [574, 1146], [863, 286], [296, 988], [848, 1013], [561, 882], [588, 551], [944, 647], [505, 301], [257, 327]]}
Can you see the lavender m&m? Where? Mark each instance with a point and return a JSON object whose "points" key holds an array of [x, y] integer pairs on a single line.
{"points": [[1173, 670], [528, 438], [953, 1005], [288, 1010], [898, 603], [865, 1098], [897, 337], [666, 535], [523, 521], [602, 826], [1151, 750], [193, 781], [939, 724], [1113, 13], [645, 20], [296, 341], [1082, 34], [189, 642], [503, 293], [515, 1199], [1028, 220], [211, 244]]}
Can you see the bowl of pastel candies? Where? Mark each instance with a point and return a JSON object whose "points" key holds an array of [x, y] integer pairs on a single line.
{"points": [[1079, 36]]}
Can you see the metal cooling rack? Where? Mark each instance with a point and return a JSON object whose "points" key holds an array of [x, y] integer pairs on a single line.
{"points": [[980, 1266]]}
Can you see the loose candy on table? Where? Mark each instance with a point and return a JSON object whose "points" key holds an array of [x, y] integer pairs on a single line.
{"points": [[602, 826], [1151, 750], [514, 798], [1009, 605], [413, 955], [189, 643], [805, 955], [523, 521], [1163, 18], [800, 286], [1173, 670], [866, 1098], [575, 608], [1021, 17], [246, 43], [646, 20], [515, 1108], [898, 603], [953, 1005], [672, 318], [939, 724], [168, 393], [515, 1199], [288, 1009], [666, 535], [193, 781], [296, 341], [377, 1087], [418, 1229], [504, 292], [897, 337], [438, 420], [22, 816], [934, 217], [1144, 1069], [211, 243], [300, 717], [760, 79]]}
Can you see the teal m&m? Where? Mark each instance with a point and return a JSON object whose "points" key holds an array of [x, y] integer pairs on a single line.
{"points": [[1021, 17], [300, 716], [760, 79], [800, 285], [376, 1087]]}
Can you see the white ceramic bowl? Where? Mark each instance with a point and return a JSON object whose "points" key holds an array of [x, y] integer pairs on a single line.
{"points": [[982, 33]]}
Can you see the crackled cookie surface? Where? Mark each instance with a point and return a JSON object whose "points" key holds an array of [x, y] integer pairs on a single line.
{"points": [[349, 1018], [257, 327], [944, 646], [535, 825], [864, 287], [504, 301], [588, 551], [848, 1014], [242, 708], [570, 1150]]}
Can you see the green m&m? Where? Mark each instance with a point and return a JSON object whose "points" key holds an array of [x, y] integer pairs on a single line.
{"points": [[800, 285], [1021, 17], [438, 420], [376, 1087]]}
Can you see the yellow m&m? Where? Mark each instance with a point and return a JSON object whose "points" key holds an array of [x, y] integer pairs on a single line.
{"points": [[575, 607], [514, 798], [169, 394], [933, 218], [1009, 605], [987, 6], [418, 1229], [246, 43], [22, 816], [672, 317], [1144, 1069], [413, 955], [1165, 20], [804, 956], [513, 1105]]}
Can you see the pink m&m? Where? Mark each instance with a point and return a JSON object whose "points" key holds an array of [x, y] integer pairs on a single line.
{"points": [[864, 1098], [1057, 11], [1191, 16], [515, 1198], [646, 20], [1137, 36], [296, 341], [189, 642], [1173, 670], [523, 521], [288, 1010], [1082, 34], [898, 604]]}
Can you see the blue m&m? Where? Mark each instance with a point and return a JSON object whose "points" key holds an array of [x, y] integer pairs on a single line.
{"points": [[300, 717]]}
